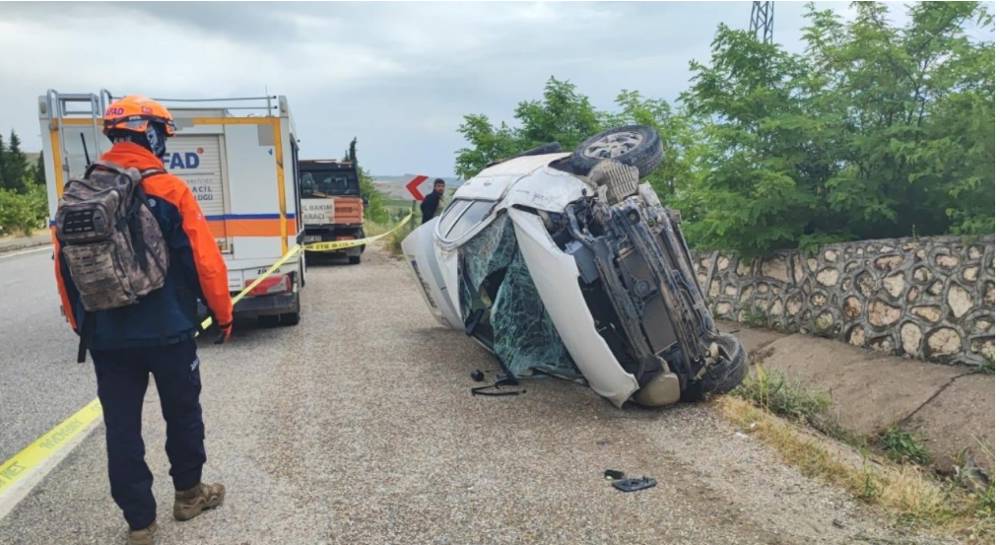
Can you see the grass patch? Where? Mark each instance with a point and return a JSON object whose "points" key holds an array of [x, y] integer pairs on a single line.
{"points": [[913, 494], [394, 241], [755, 316], [902, 446], [776, 393]]}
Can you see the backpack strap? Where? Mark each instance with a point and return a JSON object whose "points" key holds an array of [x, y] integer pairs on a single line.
{"points": [[106, 165]]}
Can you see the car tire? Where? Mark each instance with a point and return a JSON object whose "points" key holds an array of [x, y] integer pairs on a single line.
{"points": [[634, 145], [268, 321], [727, 372]]}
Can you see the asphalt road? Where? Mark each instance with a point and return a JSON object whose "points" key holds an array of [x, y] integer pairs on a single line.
{"points": [[357, 427], [40, 381]]}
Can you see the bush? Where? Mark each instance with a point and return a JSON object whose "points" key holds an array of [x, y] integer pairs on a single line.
{"points": [[22, 213]]}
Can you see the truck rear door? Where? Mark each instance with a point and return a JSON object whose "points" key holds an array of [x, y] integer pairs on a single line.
{"points": [[199, 160]]}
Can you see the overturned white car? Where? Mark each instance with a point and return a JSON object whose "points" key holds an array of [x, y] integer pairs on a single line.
{"points": [[566, 264]]}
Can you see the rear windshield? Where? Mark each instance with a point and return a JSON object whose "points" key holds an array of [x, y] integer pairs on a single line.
{"points": [[319, 182]]}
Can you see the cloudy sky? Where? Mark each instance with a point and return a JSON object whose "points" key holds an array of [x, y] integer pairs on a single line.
{"points": [[399, 76]]}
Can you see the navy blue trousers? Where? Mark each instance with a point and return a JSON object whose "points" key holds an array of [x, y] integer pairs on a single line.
{"points": [[122, 378]]}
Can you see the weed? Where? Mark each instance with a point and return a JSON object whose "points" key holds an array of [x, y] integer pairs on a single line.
{"points": [[772, 391], [394, 240], [987, 368], [755, 316], [869, 488], [909, 492], [901, 446]]}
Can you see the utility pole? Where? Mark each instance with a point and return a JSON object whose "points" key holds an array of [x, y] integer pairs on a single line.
{"points": [[762, 21]]}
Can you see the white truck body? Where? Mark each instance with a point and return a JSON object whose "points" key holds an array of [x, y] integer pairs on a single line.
{"points": [[244, 183]]}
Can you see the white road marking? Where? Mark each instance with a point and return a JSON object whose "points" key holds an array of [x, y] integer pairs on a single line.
{"points": [[47, 247]]}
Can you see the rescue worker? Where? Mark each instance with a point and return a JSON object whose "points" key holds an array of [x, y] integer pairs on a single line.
{"points": [[155, 336], [431, 205]]}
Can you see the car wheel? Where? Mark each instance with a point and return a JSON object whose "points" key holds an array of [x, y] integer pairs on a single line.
{"points": [[634, 145], [291, 318], [268, 321], [728, 370]]}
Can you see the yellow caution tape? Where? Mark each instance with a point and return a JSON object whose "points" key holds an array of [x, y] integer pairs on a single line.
{"points": [[335, 245], [33, 455], [314, 247]]}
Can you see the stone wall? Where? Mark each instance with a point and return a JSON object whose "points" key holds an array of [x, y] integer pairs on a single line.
{"points": [[929, 298]]}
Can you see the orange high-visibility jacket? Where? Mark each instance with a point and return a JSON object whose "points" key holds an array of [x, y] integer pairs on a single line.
{"points": [[197, 270]]}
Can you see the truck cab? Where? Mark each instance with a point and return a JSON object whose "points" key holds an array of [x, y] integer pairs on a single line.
{"points": [[332, 205]]}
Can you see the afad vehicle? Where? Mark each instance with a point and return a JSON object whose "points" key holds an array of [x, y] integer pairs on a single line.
{"points": [[567, 264], [241, 168], [332, 206]]}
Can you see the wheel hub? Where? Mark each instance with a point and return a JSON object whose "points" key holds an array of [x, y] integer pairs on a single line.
{"points": [[614, 145]]}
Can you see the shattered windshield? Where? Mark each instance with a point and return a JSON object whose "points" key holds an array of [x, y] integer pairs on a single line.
{"points": [[500, 301]]}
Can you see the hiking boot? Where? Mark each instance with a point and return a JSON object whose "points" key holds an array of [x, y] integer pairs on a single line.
{"points": [[142, 537], [191, 502]]}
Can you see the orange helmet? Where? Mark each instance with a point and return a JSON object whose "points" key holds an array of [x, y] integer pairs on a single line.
{"points": [[134, 112]]}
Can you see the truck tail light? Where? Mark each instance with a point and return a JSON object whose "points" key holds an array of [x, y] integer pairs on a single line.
{"points": [[281, 283]]}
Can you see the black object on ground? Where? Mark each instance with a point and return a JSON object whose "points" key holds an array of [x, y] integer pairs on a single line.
{"points": [[614, 474], [477, 375], [632, 485], [493, 390]]}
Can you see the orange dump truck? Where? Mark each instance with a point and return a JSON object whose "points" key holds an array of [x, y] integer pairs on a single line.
{"points": [[332, 206]]}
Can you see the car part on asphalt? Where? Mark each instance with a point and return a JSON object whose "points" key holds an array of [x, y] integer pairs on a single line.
{"points": [[633, 485], [634, 145], [493, 390], [613, 474]]}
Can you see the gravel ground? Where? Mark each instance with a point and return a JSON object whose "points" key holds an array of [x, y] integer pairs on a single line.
{"points": [[357, 426]]}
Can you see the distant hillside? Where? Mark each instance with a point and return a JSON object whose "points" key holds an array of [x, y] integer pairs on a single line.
{"points": [[401, 180], [394, 187]]}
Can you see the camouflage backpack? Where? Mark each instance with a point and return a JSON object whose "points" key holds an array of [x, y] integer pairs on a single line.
{"points": [[111, 242]]}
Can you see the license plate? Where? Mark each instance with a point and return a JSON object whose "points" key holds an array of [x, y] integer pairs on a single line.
{"points": [[312, 238]]}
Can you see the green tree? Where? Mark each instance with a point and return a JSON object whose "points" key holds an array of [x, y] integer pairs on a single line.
{"points": [[38, 173], [682, 143], [15, 165], [763, 164], [3, 162], [562, 115], [906, 165], [376, 210], [873, 131]]}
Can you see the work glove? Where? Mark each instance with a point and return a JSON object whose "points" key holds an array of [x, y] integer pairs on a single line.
{"points": [[225, 330]]}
